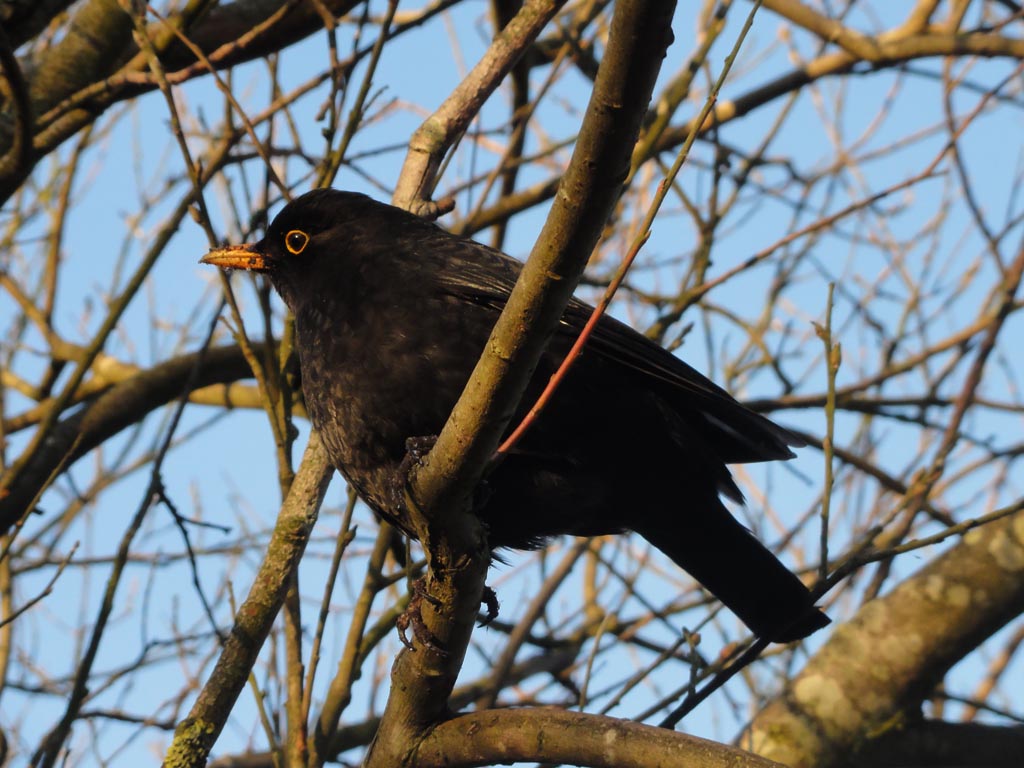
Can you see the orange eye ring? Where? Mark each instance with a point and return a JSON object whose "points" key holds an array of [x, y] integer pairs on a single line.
{"points": [[296, 241]]}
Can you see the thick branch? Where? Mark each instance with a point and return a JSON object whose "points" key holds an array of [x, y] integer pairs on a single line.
{"points": [[575, 738], [933, 743], [882, 663], [95, 40], [422, 681], [98, 42], [550, 662]]}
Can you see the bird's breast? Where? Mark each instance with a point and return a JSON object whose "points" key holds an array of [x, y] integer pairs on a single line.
{"points": [[376, 377]]}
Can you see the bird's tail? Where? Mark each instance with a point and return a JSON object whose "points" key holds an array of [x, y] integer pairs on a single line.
{"points": [[740, 571]]}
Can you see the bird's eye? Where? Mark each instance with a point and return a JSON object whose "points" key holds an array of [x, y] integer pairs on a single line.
{"points": [[296, 241]]}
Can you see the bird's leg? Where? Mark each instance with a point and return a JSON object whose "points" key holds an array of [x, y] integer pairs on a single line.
{"points": [[416, 449], [412, 618]]}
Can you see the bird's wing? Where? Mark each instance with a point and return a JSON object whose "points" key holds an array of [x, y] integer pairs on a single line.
{"points": [[738, 434], [486, 277]]}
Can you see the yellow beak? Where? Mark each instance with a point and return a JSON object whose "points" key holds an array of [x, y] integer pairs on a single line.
{"points": [[237, 257]]}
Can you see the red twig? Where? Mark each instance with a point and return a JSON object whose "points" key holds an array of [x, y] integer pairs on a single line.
{"points": [[559, 375]]}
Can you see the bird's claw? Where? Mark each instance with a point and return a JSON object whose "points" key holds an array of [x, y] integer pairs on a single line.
{"points": [[489, 599], [411, 618], [417, 448]]}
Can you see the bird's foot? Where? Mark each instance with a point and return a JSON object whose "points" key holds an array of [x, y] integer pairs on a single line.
{"points": [[411, 618], [416, 450], [489, 599]]}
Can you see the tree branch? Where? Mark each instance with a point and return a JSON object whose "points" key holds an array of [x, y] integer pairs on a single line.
{"points": [[435, 136], [933, 744], [195, 735], [881, 664], [121, 406], [576, 738], [442, 487]]}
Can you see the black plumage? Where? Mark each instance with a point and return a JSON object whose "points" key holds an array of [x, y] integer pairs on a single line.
{"points": [[391, 314]]}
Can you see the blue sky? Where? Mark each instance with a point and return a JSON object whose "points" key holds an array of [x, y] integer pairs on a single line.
{"points": [[226, 475]]}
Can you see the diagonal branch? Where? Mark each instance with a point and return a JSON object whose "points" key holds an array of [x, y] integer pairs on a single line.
{"points": [[442, 129], [195, 735], [442, 487]]}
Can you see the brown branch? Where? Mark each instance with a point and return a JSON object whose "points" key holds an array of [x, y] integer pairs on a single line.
{"points": [[932, 744], [436, 135], [458, 557], [195, 735], [576, 738], [14, 162], [552, 661], [879, 666], [94, 42], [850, 40], [98, 42], [890, 53]]}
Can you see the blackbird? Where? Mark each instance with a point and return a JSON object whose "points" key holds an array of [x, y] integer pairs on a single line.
{"points": [[391, 315]]}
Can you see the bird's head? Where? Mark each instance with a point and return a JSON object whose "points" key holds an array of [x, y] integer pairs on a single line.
{"points": [[317, 227]]}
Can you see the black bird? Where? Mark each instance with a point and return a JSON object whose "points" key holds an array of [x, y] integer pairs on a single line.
{"points": [[392, 313]]}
